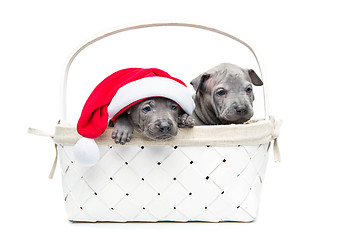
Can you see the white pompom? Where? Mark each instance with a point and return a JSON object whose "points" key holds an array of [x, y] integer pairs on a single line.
{"points": [[87, 152]]}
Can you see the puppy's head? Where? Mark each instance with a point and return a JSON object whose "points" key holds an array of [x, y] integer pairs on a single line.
{"points": [[227, 90], [156, 118]]}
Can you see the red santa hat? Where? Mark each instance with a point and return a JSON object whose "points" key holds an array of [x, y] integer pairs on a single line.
{"points": [[118, 92]]}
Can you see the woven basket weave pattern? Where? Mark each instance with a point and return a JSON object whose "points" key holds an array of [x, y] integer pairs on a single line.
{"points": [[165, 183]]}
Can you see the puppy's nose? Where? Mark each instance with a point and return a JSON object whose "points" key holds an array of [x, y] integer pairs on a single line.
{"points": [[163, 126], [241, 110]]}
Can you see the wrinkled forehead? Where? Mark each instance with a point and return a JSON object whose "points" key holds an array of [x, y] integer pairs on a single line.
{"points": [[229, 80]]}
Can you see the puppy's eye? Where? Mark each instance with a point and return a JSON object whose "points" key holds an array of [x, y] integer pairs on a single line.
{"points": [[248, 90], [221, 92], [173, 107], [146, 109]]}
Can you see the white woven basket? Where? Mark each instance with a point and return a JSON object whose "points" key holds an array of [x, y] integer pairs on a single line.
{"points": [[208, 173]]}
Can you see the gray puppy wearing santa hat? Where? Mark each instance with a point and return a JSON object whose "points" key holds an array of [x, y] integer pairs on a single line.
{"points": [[156, 118]]}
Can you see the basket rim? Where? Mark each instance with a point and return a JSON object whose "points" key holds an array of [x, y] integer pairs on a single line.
{"points": [[253, 133]]}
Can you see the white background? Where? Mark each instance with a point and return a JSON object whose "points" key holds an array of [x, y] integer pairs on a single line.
{"points": [[310, 55]]}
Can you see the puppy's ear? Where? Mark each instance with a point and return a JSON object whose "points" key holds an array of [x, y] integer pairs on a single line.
{"points": [[199, 82], [255, 78]]}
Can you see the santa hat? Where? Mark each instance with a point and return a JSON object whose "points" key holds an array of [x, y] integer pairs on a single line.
{"points": [[118, 92]]}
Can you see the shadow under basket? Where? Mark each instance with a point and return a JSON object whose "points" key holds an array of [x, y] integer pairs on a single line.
{"points": [[207, 173]]}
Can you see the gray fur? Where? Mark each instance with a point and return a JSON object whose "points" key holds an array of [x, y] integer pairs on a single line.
{"points": [[224, 95], [156, 118]]}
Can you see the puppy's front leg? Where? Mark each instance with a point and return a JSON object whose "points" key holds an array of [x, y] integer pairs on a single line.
{"points": [[186, 121], [122, 130]]}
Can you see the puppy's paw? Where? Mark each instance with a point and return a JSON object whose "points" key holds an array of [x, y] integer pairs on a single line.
{"points": [[121, 136], [186, 121]]}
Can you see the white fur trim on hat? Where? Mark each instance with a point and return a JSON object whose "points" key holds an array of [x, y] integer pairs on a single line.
{"points": [[151, 87]]}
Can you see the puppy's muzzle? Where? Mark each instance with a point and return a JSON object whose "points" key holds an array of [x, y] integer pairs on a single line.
{"points": [[164, 126], [242, 110]]}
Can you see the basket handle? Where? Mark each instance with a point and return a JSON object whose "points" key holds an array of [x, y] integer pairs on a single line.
{"points": [[63, 88]]}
